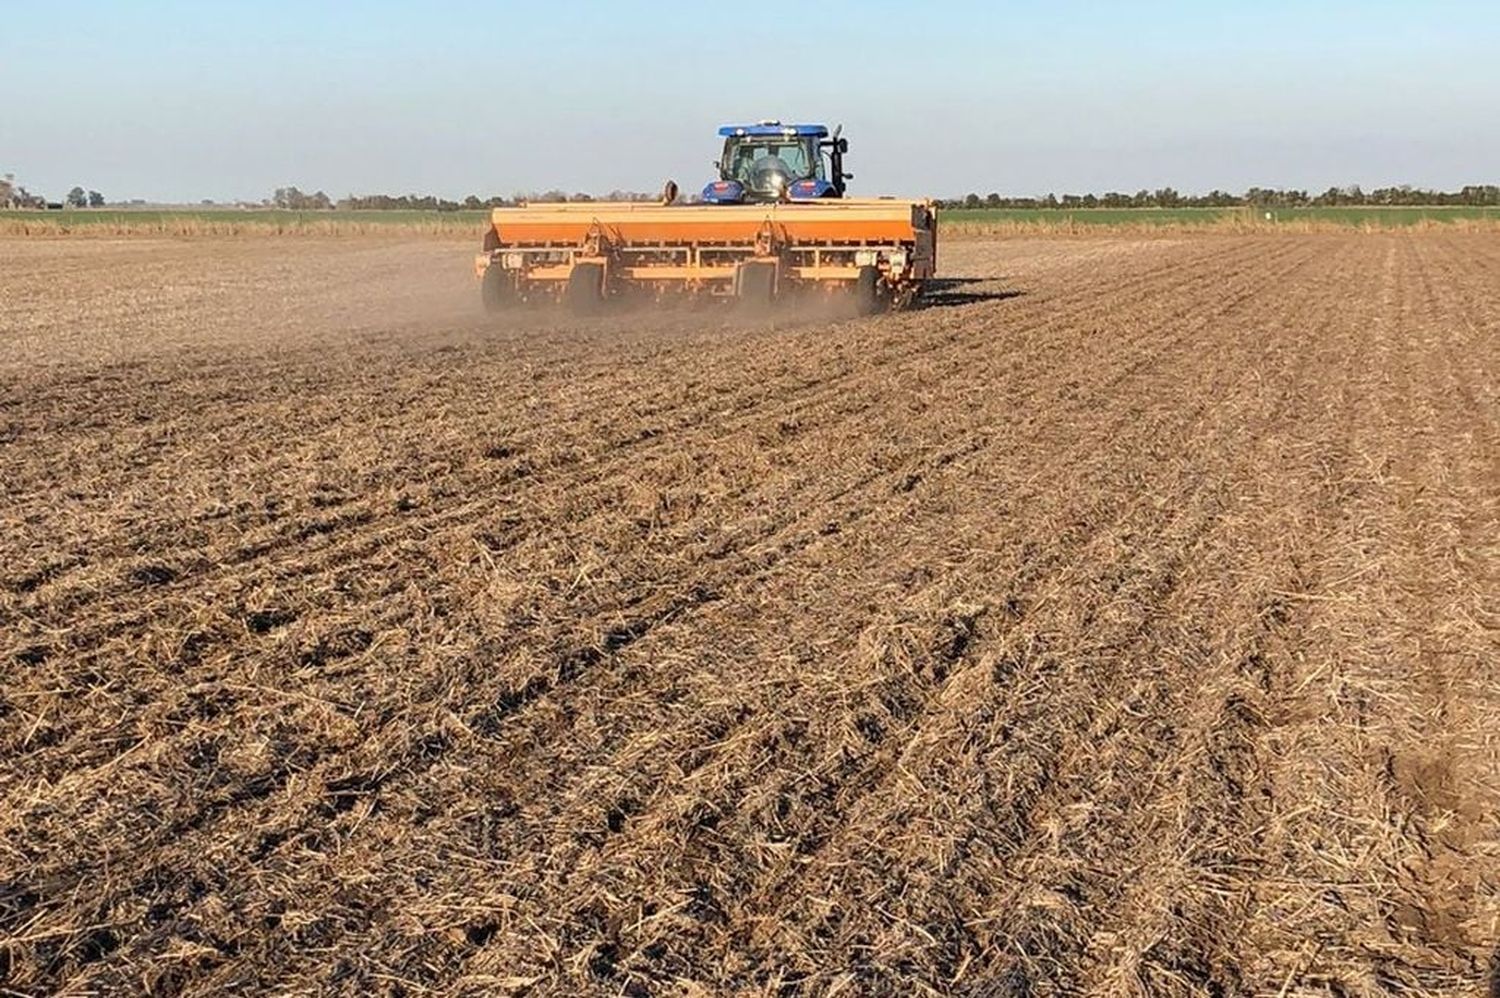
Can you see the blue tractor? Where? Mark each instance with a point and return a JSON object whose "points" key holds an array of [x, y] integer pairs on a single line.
{"points": [[775, 162]]}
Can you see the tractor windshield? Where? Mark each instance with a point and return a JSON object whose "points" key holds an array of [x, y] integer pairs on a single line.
{"points": [[798, 155]]}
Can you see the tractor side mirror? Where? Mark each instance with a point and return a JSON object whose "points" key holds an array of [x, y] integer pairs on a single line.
{"points": [[848, 176], [843, 146]]}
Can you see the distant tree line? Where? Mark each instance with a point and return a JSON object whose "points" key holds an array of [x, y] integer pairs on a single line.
{"points": [[428, 202], [294, 200], [15, 197], [80, 198], [1474, 195], [1164, 197]]}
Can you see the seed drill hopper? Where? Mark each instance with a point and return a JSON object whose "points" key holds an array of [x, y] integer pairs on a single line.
{"points": [[775, 224]]}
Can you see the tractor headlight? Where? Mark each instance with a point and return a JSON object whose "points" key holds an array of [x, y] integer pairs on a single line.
{"points": [[514, 261], [866, 258], [897, 260]]}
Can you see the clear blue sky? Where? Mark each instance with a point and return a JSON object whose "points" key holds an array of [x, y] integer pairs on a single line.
{"points": [[189, 100]]}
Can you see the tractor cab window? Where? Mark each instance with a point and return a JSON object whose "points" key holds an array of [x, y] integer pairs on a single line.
{"points": [[800, 154]]}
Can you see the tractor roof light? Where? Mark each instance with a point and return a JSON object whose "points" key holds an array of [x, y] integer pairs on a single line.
{"points": [[776, 129]]}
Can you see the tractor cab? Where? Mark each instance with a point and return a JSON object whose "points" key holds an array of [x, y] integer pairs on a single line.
{"points": [[775, 162]]}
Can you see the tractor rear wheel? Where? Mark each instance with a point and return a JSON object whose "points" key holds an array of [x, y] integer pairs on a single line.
{"points": [[497, 289], [585, 292], [868, 298], [755, 286]]}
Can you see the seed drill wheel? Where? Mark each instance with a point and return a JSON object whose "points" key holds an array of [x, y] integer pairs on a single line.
{"points": [[755, 286], [497, 289], [868, 295], [585, 292]]}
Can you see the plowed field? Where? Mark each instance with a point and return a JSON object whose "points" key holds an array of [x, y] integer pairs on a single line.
{"points": [[1123, 622]]}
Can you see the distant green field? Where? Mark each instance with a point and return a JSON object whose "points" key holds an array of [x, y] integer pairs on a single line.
{"points": [[1386, 217], [228, 221], [1383, 217], [1089, 216], [126, 217]]}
